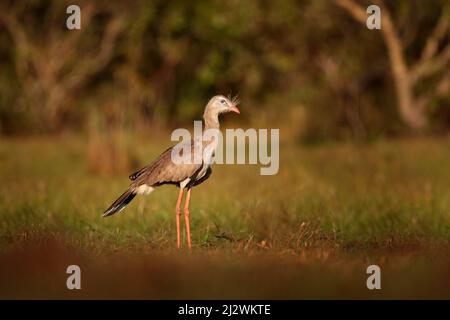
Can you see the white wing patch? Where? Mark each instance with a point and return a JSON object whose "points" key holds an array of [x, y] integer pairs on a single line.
{"points": [[144, 189], [184, 182]]}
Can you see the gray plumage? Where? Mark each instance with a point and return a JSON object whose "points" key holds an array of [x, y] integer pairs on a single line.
{"points": [[186, 174]]}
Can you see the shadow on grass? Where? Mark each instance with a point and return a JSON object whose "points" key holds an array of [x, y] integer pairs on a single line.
{"points": [[38, 271]]}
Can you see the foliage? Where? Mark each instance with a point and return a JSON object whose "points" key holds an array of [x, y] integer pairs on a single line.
{"points": [[162, 60]]}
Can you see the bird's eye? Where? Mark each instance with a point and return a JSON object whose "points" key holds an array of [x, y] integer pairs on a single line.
{"points": [[222, 101]]}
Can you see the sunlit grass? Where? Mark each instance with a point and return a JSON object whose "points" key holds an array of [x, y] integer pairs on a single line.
{"points": [[322, 196], [328, 205]]}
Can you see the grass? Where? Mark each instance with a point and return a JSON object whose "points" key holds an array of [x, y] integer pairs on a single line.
{"points": [[308, 232]]}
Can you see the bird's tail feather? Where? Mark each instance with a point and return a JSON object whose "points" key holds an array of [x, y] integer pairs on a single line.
{"points": [[120, 203]]}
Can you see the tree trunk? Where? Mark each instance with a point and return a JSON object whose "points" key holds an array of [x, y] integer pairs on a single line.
{"points": [[409, 111]]}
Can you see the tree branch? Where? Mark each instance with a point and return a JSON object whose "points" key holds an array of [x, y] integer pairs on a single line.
{"points": [[23, 45], [410, 112], [437, 35], [429, 61], [100, 59], [430, 66]]}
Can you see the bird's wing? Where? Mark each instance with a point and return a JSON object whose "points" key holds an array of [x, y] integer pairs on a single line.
{"points": [[164, 170], [202, 179], [148, 168]]}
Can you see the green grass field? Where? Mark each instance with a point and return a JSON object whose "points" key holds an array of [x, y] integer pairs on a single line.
{"points": [[308, 232]]}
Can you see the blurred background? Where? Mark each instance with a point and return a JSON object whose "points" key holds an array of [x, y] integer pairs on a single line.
{"points": [[311, 66], [364, 119]]}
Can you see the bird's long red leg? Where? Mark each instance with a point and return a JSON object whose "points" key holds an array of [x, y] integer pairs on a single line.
{"points": [[178, 214], [186, 218]]}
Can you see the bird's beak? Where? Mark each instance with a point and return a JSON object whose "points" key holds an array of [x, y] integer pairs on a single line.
{"points": [[234, 108]]}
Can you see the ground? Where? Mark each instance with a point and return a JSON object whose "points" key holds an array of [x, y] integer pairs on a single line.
{"points": [[308, 232]]}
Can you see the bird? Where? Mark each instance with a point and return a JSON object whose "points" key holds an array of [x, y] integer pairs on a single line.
{"points": [[185, 173]]}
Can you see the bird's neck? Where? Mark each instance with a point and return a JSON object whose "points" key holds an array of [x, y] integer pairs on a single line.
{"points": [[211, 120]]}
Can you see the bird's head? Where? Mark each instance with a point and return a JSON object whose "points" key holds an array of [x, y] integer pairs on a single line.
{"points": [[221, 104]]}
